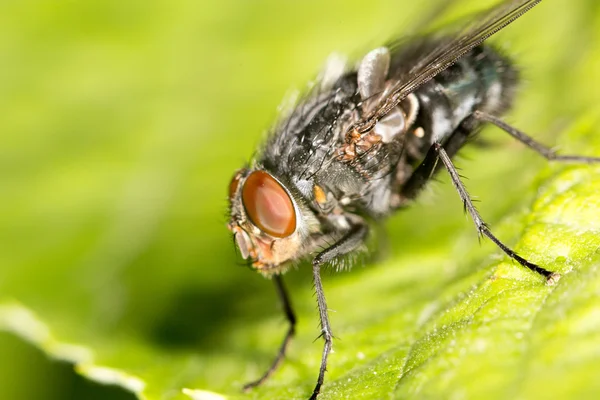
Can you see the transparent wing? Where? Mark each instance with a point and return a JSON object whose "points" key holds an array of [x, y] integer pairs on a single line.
{"points": [[438, 59]]}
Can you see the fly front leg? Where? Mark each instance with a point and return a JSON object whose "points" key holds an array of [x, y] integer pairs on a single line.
{"points": [[291, 317], [544, 151], [347, 244], [437, 154]]}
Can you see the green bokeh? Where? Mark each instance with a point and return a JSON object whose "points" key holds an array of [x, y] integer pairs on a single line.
{"points": [[122, 124]]}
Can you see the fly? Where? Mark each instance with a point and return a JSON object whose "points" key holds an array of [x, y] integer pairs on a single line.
{"points": [[363, 143]]}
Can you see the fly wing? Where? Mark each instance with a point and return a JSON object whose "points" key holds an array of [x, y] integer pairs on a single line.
{"points": [[444, 55]]}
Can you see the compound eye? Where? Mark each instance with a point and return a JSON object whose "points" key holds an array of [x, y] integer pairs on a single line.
{"points": [[233, 185], [268, 205]]}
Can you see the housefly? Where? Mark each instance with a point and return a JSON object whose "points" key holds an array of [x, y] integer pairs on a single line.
{"points": [[363, 143]]}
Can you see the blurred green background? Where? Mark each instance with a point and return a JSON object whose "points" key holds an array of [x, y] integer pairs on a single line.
{"points": [[122, 123]]}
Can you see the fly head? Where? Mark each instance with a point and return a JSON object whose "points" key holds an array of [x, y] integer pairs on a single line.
{"points": [[270, 226]]}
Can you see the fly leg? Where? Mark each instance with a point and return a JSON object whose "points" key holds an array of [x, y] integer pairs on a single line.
{"points": [[421, 176], [291, 317], [430, 166], [437, 154], [544, 151], [348, 243]]}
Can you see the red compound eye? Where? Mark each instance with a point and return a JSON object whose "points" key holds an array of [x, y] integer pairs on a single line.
{"points": [[268, 205], [233, 185]]}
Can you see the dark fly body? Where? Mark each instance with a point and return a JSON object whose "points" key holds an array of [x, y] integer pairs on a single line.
{"points": [[363, 143]]}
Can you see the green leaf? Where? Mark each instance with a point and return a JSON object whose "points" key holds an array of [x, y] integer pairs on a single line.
{"points": [[122, 125]]}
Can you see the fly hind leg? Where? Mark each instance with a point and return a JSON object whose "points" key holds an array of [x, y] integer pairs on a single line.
{"points": [[539, 148]]}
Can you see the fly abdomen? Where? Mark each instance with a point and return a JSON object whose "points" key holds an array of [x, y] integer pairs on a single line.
{"points": [[481, 80]]}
